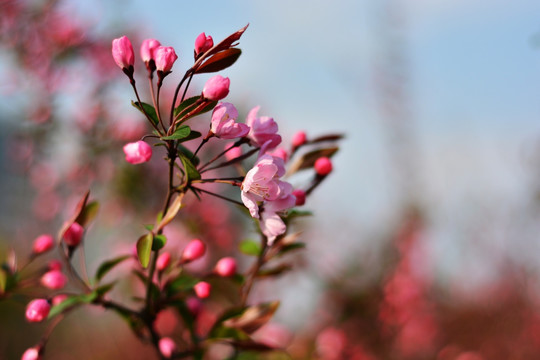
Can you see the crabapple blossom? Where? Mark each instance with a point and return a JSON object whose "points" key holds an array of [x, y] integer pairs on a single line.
{"points": [[298, 139], [37, 310], [54, 279], [203, 43], [31, 354], [224, 123], [263, 129], [74, 234], [225, 267], [164, 56], [202, 289], [271, 223], [167, 346], [148, 49], [216, 88], [163, 261], [194, 250], [300, 196], [43, 243], [323, 166], [137, 152], [122, 52]]}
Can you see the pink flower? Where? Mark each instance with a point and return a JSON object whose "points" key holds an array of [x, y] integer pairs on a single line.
{"points": [[224, 123], [225, 267], [165, 58], [148, 49], [54, 279], [137, 152], [216, 88], [43, 243], [37, 310], [163, 261], [262, 129], [271, 223], [323, 166], [203, 43], [31, 354], [167, 346], [194, 250], [202, 289], [299, 139], [300, 196], [122, 52], [74, 234]]}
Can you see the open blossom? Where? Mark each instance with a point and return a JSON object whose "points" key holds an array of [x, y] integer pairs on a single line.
{"points": [[43, 243], [271, 223], [203, 43], [263, 129], [148, 49], [122, 52], [224, 123], [165, 56], [137, 152], [216, 88], [37, 310]]}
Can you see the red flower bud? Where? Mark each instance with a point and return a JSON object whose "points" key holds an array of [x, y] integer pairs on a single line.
{"points": [[216, 88], [225, 267], [300, 197], [202, 289], [73, 234], [37, 310], [43, 243], [323, 166], [163, 261], [203, 43], [194, 250], [299, 139], [54, 280]]}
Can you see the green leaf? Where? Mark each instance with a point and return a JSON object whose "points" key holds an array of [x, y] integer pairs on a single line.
{"points": [[182, 283], [192, 135], [88, 213], [149, 109], [191, 170], [189, 105], [144, 248], [180, 133], [103, 289], [106, 266], [223, 332], [149, 227], [171, 213], [219, 61], [159, 242], [185, 105], [186, 152], [250, 247], [3, 281], [278, 270], [290, 247], [298, 213], [72, 302]]}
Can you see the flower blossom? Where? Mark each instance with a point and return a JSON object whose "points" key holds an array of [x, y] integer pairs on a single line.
{"points": [[262, 184], [122, 52], [203, 43], [137, 152], [165, 56], [224, 123], [263, 129]]}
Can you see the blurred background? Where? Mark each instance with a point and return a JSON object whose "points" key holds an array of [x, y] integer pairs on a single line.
{"points": [[425, 239]]}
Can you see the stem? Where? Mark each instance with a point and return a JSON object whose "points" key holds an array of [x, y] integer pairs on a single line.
{"points": [[156, 104], [218, 196], [238, 143], [176, 91], [254, 270], [204, 141], [233, 161], [187, 86], [132, 82]]}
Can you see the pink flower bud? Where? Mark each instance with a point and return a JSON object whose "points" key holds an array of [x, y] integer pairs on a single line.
{"points": [[37, 310], [148, 49], [59, 299], [323, 166], [165, 58], [233, 153], [203, 43], [194, 305], [202, 289], [122, 52], [55, 265], [163, 261], [194, 250], [225, 267], [167, 346], [137, 152], [216, 88], [31, 354], [300, 197], [54, 280], [43, 243], [299, 139], [73, 234]]}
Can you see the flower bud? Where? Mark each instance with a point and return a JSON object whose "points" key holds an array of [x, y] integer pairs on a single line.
{"points": [[216, 88], [203, 43], [137, 152], [54, 265], [167, 346], [58, 299], [148, 49], [122, 52], [323, 166], [73, 234], [194, 305], [54, 280], [164, 56], [300, 197], [43, 243], [194, 250], [298, 139], [163, 261], [37, 310], [31, 354], [202, 289], [225, 267]]}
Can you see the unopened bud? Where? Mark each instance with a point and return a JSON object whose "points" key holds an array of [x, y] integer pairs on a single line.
{"points": [[216, 88], [122, 52], [31, 354], [37, 310], [300, 197], [298, 139], [163, 261], [202, 289], [74, 234], [137, 152], [194, 250], [164, 56], [203, 43], [323, 166], [54, 280], [43, 243], [225, 267]]}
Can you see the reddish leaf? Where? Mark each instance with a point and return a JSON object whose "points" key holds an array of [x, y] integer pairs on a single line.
{"points": [[307, 160], [78, 210], [253, 317], [219, 61], [225, 44], [329, 137]]}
